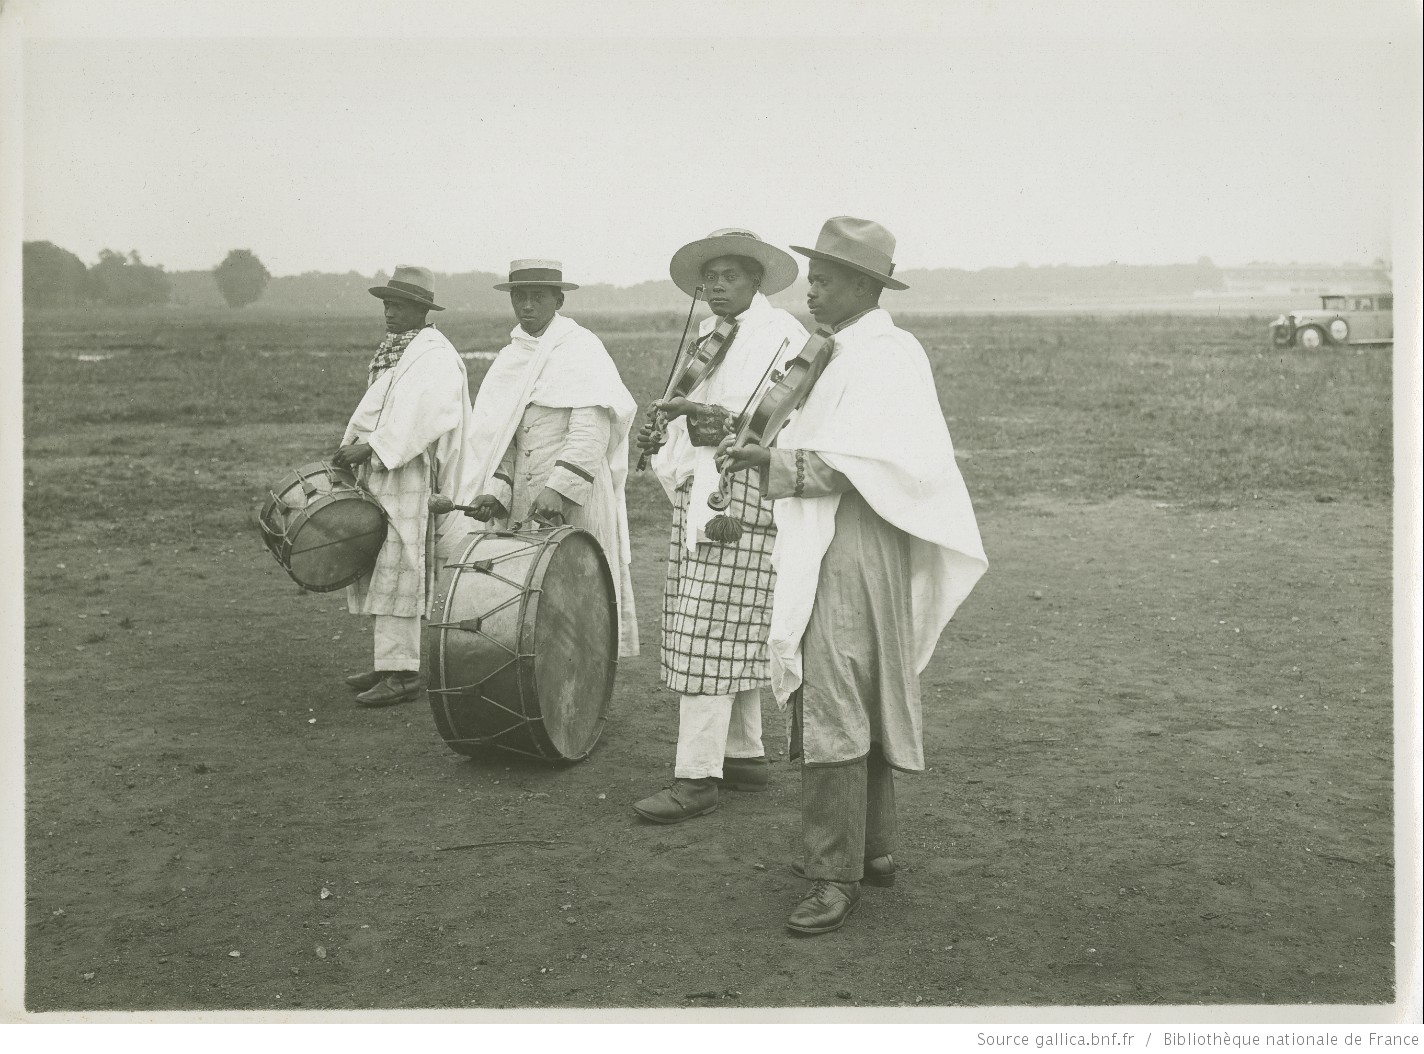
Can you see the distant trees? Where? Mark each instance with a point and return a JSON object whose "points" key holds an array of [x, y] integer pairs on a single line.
{"points": [[126, 281], [53, 277], [241, 277]]}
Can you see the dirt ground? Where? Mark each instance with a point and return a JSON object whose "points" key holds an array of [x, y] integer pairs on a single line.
{"points": [[1159, 734]]}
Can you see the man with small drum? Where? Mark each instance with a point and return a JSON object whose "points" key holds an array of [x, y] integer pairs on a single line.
{"points": [[407, 440]]}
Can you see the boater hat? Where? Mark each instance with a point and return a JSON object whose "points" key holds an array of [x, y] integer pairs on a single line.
{"points": [[862, 245], [779, 268], [535, 272], [409, 283]]}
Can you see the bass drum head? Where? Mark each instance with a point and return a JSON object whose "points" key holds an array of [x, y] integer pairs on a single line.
{"points": [[576, 644], [337, 542]]}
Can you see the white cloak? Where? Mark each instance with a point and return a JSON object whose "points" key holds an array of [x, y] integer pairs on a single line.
{"points": [[565, 366], [417, 418], [874, 416]]}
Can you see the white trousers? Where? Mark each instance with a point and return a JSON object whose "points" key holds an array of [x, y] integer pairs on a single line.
{"points": [[397, 642], [711, 727]]}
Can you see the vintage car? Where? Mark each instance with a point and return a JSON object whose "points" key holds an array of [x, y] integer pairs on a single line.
{"points": [[1343, 318]]}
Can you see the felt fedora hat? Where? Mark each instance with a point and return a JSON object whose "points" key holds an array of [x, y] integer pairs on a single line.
{"points": [[535, 272], [415, 284], [779, 268], [863, 245]]}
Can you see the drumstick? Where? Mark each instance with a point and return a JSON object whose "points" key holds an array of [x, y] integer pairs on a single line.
{"points": [[439, 504]]}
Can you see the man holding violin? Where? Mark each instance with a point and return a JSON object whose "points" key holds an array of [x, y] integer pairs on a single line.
{"points": [[717, 594], [876, 547]]}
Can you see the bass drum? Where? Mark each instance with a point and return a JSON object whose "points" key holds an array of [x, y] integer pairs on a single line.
{"points": [[523, 645], [323, 527]]}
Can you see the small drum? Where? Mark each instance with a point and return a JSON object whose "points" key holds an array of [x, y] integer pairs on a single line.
{"points": [[523, 646], [324, 528]]}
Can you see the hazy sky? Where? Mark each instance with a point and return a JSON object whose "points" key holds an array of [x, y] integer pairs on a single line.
{"points": [[359, 135]]}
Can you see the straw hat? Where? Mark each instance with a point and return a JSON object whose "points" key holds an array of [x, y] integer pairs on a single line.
{"points": [[779, 268], [535, 272]]}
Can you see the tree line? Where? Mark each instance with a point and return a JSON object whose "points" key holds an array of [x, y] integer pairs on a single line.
{"points": [[56, 278]]}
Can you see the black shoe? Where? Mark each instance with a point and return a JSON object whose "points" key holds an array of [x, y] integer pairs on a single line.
{"points": [[360, 682], [824, 908], [876, 871], [401, 687], [682, 801]]}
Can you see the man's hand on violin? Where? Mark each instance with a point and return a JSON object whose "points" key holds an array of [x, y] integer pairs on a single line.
{"points": [[352, 455], [674, 408], [486, 507], [738, 458], [650, 438], [550, 507]]}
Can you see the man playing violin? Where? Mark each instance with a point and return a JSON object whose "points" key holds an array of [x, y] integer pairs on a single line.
{"points": [[876, 547], [717, 594]]}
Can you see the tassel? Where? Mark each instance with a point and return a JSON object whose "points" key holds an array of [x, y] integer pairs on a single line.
{"points": [[723, 528]]}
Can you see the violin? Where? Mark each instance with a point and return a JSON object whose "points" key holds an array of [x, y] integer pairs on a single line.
{"points": [[761, 423], [702, 359]]}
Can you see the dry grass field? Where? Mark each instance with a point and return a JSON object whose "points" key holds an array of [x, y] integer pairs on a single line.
{"points": [[1159, 731]]}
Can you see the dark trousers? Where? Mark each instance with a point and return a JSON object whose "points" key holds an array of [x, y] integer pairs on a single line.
{"points": [[847, 816]]}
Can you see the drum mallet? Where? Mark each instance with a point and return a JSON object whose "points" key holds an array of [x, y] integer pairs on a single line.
{"points": [[440, 505]]}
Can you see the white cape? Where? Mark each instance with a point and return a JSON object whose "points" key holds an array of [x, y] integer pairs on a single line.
{"points": [[565, 366], [875, 417], [421, 405]]}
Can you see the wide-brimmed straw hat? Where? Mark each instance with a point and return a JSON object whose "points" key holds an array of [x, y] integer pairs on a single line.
{"points": [[415, 284], [535, 272], [779, 268], [862, 245]]}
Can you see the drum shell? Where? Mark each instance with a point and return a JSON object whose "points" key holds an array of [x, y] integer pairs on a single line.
{"points": [[323, 527], [523, 648]]}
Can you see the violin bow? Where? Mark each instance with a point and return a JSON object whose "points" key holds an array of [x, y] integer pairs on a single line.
{"points": [[677, 359], [678, 356]]}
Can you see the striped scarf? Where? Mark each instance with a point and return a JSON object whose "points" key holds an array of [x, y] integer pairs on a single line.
{"points": [[389, 353]]}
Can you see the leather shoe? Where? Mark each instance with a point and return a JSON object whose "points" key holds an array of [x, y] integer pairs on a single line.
{"points": [[825, 907], [682, 801], [400, 687], [360, 682], [745, 774], [876, 871]]}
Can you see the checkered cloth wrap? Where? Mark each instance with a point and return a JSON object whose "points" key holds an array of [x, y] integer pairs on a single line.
{"points": [[399, 583], [717, 601], [388, 354]]}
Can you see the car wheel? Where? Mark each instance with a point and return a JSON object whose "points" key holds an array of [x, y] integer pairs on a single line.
{"points": [[1280, 336], [1310, 337], [1340, 330]]}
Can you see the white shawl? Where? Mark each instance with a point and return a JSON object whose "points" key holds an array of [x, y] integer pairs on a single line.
{"points": [[761, 332], [875, 417], [565, 366], [422, 405]]}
